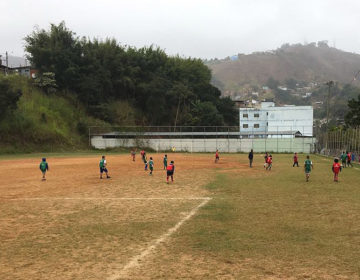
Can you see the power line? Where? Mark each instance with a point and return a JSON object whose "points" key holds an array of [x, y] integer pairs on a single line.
{"points": [[355, 77]]}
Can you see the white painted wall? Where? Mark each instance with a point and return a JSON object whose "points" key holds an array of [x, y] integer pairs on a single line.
{"points": [[300, 145]]}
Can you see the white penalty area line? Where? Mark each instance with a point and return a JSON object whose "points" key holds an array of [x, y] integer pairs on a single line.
{"points": [[102, 198], [135, 261]]}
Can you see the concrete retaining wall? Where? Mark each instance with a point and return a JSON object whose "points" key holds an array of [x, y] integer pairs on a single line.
{"points": [[300, 145]]}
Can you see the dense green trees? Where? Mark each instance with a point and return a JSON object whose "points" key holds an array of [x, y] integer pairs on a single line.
{"points": [[352, 118], [161, 90], [9, 96]]}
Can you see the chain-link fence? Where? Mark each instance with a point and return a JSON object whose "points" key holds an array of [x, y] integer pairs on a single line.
{"points": [[333, 143], [281, 139]]}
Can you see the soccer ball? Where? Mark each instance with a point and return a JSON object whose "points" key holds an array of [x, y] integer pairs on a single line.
{"points": [[173, 149]]}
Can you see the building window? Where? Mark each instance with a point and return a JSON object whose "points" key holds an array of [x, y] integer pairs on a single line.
{"points": [[245, 126], [245, 115], [267, 113], [256, 115], [256, 125]]}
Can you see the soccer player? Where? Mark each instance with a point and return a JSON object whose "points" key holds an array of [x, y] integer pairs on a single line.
{"points": [[348, 155], [296, 162], [336, 168], [269, 162], [308, 165], [165, 162], [217, 156], [133, 153], [170, 172], [266, 159], [145, 162], [151, 165], [103, 167], [142, 153], [44, 167], [343, 159], [251, 157]]}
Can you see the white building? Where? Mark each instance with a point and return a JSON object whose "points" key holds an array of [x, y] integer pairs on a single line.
{"points": [[286, 121]]}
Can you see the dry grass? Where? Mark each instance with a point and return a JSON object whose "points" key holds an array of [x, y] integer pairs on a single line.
{"points": [[259, 225]]}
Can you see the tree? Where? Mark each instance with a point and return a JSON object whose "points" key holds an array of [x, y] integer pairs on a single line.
{"points": [[272, 83], [8, 97], [206, 114], [57, 51], [227, 108], [291, 83], [161, 89], [352, 118], [46, 81]]}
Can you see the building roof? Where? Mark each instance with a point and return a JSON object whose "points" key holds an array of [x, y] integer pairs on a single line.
{"points": [[15, 61]]}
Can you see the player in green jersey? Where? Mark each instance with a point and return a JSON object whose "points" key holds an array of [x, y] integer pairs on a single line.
{"points": [[44, 167], [308, 165], [343, 158], [103, 168], [151, 165], [165, 162]]}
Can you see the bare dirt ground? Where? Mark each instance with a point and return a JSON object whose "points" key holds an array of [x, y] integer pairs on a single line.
{"points": [[76, 226]]}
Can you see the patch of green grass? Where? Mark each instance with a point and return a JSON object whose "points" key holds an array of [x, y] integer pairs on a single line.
{"points": [[277, 215]]}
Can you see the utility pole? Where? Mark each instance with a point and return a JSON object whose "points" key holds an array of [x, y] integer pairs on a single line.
{"points": [[7, 63], [329, 84]]}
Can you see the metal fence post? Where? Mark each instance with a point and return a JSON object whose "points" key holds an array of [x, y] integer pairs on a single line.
{"points": [[228, 139], [277, 139], [303, 139], [216, 137]]}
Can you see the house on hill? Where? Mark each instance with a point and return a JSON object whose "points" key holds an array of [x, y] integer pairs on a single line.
{"points": [[16, 64]]}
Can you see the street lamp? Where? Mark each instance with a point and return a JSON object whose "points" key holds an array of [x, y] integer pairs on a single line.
{"points": [[329, 84]]}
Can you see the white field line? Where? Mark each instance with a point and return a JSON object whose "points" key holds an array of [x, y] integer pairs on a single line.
{"points": [[103, 198], [134, 261]]}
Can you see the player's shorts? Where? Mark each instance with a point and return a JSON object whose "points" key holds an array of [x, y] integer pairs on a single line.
{"points": [[217, 157], [103, 169], [169, 173]]}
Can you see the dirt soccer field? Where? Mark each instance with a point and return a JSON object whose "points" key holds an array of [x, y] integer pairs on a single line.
{"points": [[216, 221]]}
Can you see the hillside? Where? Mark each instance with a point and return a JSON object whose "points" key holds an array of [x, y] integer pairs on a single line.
{"points": [[36, 121], [307, 63]]}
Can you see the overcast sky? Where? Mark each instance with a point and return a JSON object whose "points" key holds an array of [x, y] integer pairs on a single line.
{"points": [[196, 28]]}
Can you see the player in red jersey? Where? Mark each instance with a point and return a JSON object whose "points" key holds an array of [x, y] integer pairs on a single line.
{"points": [[269, 162], [142, 153], [296, 162], [348, 155], [170, 172], [336, 168], [217, 156]]}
